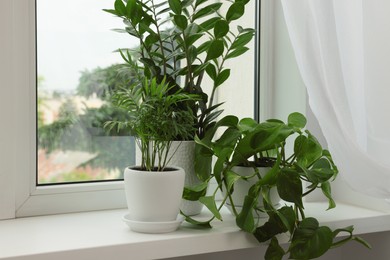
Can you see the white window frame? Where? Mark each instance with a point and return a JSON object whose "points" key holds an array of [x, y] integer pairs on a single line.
{"points": [[19, 196]]}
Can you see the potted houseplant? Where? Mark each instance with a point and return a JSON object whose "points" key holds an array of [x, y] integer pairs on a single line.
{"points": [[183, 42], [153, 189], [247, 143]]}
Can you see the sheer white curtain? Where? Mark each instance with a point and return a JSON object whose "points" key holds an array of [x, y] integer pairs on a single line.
{"points": [[342, 49]]}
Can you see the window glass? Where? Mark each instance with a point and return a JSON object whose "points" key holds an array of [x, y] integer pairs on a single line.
{"points": [[76, 69]]}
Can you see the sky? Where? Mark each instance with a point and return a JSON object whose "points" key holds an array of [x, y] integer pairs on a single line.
{"points": [[75, 35]]}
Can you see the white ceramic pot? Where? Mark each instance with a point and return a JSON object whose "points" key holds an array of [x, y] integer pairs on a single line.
{"points": [[184, 157], [241, 188], [153, 196]]}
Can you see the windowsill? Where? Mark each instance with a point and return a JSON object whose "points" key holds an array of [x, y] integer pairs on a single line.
{"points": [[103, 234]]}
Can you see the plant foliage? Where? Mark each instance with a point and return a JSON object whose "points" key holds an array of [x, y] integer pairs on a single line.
{"points": [[154, 119], [183, 41], [248, 143]]}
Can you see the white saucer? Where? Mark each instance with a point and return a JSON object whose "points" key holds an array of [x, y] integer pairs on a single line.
{"points": [[153, 227]]}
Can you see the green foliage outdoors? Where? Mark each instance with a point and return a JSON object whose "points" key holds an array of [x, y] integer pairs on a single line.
{"points": [[248, 143], [84, 132], [102, 82], [154, 119], [198, 44]]}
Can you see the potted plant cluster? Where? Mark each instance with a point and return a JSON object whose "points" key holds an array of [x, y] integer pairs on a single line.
{"points": [[183, 42], [271, 173], [154, 189]]}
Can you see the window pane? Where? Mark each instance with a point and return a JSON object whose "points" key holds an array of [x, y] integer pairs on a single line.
{"points": [[76, 68]]}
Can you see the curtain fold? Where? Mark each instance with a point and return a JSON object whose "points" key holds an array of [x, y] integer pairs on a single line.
{"points": [[340, 48]]}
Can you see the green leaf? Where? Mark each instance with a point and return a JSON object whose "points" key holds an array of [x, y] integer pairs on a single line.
{"points": [[209, 24], [195, 192], [221, 28], [222, 77], [307, 150], [203, 160], [180, 21], [191, 39], [201, 224], [268, 135], [274, 250], [231, 178], [275, 225], [247, 124], [245, 219], [289, 186], [235, 11], [131, 8], [215, 50], [211, 71], [297, 120], [237, 52], [209, 202], [327, 191], [242, 40], [192, 54], [320, 172], [207, 10], [199, 2], [175, 6], [120, 7], [204, 47], [310, 241]]}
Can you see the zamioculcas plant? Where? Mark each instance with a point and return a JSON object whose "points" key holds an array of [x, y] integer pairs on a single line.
{"points": [[251, 144], [184, 41]]}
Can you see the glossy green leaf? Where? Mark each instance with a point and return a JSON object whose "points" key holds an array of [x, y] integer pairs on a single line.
{"points": [[209, 202], [216, 49], [209, 23], [221, 28], [237, 52], [200, 224], [231, 178], [192, 54], [327, 191], [275, 225], [120, 7], [175, 6], [180, 21], [199, 2], [289, 186], [274, 250], [191, 39], [268, 135], [297, 120], [195, 192], [203, 160], [310, 240], [242, 40], [222, 77], [207, 10], [245, 219], [320, 171], [211, 71], [307, 150], [235, 11]]}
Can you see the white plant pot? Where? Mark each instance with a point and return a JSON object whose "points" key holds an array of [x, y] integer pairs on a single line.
{"points": [[153, 196], [241, 188], [184, 157]]}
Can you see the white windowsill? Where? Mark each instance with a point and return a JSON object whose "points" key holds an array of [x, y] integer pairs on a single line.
{"points": [[103, 235]]}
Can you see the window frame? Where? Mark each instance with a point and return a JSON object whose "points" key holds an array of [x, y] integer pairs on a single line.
{"points": [[19, 194]]}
